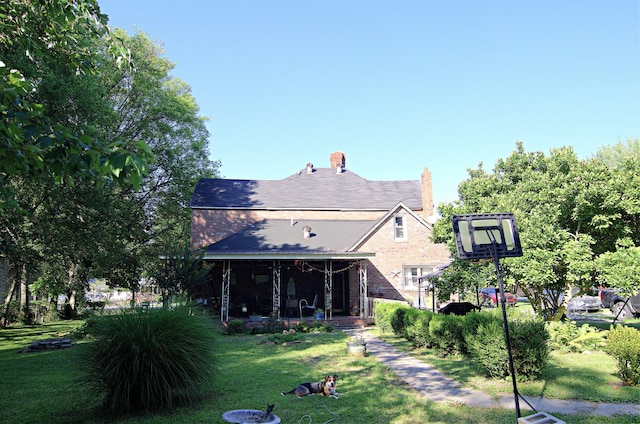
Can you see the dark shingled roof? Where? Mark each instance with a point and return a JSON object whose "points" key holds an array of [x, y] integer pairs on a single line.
{"points": [[324, 189], [279, 236]]}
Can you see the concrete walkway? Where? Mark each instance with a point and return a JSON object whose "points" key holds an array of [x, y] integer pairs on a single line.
{"points": [[436, 386]]}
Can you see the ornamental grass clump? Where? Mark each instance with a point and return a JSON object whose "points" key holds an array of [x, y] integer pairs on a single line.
{"points": [[142, 360]]}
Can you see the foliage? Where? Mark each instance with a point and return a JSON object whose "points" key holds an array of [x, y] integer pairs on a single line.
{"points": [[621, 269], [418, 330], [235, 326], [397, 321], [145, 359], [312, 326], [616, 155], [568, 213], [284, 366], [528, 346], [87, 113], [623, 343], [446, 332], [181, 271], [568, 336], [38, 36], [383, 312]]}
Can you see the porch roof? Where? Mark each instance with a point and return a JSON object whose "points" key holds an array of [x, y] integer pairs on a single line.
{"points": [[279, 239]]}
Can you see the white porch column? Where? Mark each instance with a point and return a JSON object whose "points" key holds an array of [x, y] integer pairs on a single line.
{"points": [[226, 280], [364, 298], [328, 289], [276, 289]]}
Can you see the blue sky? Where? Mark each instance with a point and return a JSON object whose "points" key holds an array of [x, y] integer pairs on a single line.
{"points": [[398, 86]]}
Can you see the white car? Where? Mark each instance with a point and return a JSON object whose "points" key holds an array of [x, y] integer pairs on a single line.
{"points": [[584, 303]]}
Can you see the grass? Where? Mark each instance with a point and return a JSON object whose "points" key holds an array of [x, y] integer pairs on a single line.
{"points": [[252, 371], [590, 377]]}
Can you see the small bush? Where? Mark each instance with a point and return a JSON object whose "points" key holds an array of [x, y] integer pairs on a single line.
{"points": [[235, 326], [397, 320], [623, 343], [312, 326], [487, 346], [142, 360], [420, 329], [446, 334], [385, 312], [409, 321], [528, 346], [567, 336]]}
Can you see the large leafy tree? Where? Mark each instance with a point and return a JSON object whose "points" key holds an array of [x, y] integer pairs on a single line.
{"points": [[568, 212], [35, 37], [97, 219]]}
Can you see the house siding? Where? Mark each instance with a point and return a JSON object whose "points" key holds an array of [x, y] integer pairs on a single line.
{"points": [[384, 272]]}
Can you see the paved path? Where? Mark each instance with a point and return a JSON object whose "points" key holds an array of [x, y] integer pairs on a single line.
{"points": [[436, 386]]}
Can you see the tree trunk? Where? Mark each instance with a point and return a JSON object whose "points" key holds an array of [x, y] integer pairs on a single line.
{"points": [[4, 319], [23, 300]]}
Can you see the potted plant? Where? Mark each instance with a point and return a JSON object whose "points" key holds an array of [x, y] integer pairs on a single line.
{"points": [[319, 313], [357, 346]]}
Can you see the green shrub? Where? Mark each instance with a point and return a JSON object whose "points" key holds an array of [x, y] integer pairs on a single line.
{"points": [[305, 326], [383, 312], [623, 343], [528, 346], [420, 329], [409, 321], [567, 336], [397, 321], [235, 326], [488, 348], [147, 359], [473, 320], [446, 334]]}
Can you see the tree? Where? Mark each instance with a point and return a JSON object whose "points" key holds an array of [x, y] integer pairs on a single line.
{"points": [[35, 35], [181, 271], [621, 269], [72, 220], [568, 212], [617, 154]]}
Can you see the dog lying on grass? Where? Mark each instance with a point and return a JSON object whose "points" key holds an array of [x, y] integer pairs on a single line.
{"points": [[326, 387]]}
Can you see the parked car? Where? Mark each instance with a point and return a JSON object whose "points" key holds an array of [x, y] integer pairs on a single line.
{"points": [[490, 296], [619, 305], [584, 303], [554, 298]]}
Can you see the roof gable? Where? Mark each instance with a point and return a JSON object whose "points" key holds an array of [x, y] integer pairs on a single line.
{"points": [[384, 219]]}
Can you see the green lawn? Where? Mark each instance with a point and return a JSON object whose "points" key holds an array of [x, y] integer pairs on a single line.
{"points": [[251, 374]]}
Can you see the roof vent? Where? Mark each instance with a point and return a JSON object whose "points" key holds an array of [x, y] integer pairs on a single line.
{"points": [[338, 169], [306, 231], [309, 168]]}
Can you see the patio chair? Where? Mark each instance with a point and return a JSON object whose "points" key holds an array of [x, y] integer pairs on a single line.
{"points": [[304, 304]]}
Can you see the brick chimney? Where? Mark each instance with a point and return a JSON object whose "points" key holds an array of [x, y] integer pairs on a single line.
{"points": [[427, 194], [337, 159]]}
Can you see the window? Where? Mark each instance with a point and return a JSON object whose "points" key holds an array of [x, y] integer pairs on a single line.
{"points": [[411, 274], [399, 228]]}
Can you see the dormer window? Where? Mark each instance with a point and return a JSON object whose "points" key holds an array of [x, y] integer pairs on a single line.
{"points": [[399, 228]]}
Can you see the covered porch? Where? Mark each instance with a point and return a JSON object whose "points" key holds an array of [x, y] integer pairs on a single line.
{"points": [[289, 287]]}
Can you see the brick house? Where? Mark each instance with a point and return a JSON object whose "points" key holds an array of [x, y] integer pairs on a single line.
{"points": [[322, 233]]}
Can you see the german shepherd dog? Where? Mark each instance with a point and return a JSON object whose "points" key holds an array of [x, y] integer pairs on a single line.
{"points": [[326, 387]]}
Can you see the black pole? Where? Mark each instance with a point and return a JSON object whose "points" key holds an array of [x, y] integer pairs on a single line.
{"points": [[516, 400], [419, 292]]}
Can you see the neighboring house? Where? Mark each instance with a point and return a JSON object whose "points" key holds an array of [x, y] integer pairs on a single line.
{"points": [[322, 233]]}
